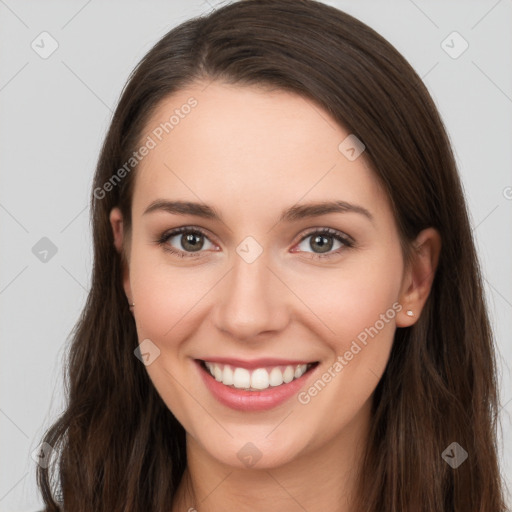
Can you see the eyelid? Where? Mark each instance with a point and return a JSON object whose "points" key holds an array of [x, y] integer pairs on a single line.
{"points": [[330, 231]]}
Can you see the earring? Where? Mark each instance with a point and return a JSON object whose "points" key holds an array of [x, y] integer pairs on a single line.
{"points": [[409, 313], [132, 304]]}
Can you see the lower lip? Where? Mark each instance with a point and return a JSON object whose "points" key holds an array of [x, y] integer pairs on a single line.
{"points": [[243, 400]]}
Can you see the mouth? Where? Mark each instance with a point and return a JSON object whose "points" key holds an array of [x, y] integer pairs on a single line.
{"points": [[255, 386], [256, 379]]}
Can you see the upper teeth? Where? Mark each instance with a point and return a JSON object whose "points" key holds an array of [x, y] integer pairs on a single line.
{"points": [[257, 379]]}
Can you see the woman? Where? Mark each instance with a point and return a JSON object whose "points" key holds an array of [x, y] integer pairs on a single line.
{"points": [[328, 347]]}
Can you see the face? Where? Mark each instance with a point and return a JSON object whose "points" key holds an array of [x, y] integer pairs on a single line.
{"points": [[261, 282]]}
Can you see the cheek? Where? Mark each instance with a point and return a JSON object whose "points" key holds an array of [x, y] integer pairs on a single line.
{"points": [[359, 305], [168, 300], [166, 296], [354, 297]]}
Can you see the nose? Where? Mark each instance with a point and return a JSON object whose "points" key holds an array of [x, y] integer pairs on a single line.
{"points": [[252, 301]]}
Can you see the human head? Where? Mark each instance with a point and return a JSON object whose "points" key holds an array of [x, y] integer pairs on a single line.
{"points": [[367, 87]]}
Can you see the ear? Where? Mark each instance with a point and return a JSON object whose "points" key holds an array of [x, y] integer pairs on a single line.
{"points": [[419, 276], [116, 221]]}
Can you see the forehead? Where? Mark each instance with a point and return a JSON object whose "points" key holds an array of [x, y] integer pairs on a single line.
{"points": [[247, 146]]}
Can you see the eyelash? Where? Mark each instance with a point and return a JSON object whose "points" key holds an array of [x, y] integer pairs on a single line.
{"points": [[164, 238]]}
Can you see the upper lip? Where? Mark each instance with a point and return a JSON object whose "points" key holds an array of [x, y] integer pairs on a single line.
{"points": [[255, 363]]}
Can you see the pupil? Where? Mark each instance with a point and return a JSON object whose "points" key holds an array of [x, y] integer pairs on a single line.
{"points": [[321, 241], [189, 240]]}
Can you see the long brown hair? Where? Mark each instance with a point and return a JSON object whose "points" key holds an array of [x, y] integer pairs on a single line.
{"points": [[117, 447]]}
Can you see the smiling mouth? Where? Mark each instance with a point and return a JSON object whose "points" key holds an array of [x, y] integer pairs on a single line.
{"points": [[257, 379]]}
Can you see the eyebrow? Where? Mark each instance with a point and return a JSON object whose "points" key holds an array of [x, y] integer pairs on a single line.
{"points": [[291, 214]]}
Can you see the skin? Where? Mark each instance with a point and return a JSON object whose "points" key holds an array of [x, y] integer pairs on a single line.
{"points": [[252, 153]]}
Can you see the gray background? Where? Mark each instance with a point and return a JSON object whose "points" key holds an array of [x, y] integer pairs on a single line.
{"points": [[55, 112]]}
